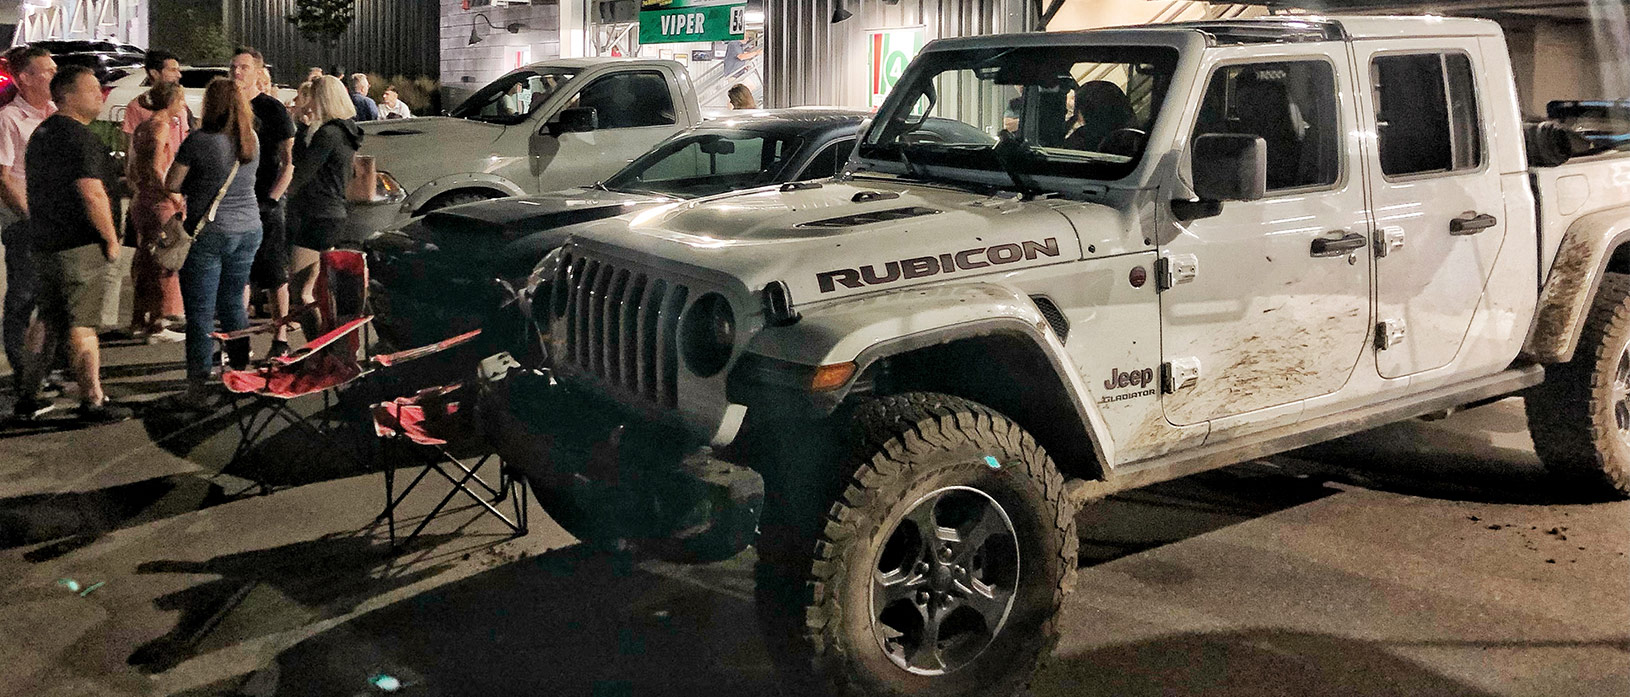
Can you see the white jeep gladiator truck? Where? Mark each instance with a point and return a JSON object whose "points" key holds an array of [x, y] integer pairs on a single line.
{"points": [[1197, 244], [544, 127]]}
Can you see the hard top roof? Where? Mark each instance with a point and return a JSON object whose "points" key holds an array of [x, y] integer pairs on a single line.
{"points": [[1270, 29]]}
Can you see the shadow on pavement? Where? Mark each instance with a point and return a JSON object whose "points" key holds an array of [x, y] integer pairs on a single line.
{"points": [[569, 622], [1251, 663], [77, 519], [273, 590], [1458, 460], [1157, 515]]}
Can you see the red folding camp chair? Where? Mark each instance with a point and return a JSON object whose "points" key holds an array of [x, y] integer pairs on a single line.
{"points": [[437, 419], [326, 365]]}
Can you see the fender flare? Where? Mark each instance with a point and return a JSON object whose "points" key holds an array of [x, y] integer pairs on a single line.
{"points": [[871, 328], [1575, 273], [455, 182]]}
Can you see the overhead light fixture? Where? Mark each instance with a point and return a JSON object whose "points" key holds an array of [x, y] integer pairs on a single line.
{"points": [[512, 27], [841, 14]]}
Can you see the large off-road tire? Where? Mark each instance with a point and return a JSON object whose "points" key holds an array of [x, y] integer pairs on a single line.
{"points": [[1580, 416], [933, 518]]}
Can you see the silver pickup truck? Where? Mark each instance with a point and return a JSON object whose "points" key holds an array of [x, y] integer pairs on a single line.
{"points": [[545, 127], [1165, 249]]}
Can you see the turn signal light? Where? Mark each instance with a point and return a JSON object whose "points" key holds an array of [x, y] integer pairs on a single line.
{"points": [[832, 376]]}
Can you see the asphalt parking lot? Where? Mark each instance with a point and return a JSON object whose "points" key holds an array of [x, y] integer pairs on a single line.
{"points": [[1419, 559]]}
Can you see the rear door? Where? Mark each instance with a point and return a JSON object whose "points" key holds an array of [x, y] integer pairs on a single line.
{"points": [[1438, 208]]}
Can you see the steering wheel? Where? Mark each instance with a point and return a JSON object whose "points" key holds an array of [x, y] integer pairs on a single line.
{"points": [[1127, 142]]}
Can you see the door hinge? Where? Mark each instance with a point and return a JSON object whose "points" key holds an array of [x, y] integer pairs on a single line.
{"points": [[1390, 333], [1173, 269], [1179, 374], [1388, 240]]}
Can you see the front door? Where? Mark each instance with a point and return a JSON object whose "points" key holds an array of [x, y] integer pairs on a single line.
{"points": [[1269, 302], [1438, 207], [636, 111]]}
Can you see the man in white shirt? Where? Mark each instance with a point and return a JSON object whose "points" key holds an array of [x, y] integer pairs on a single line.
{"points": [[32, 69], [391, 105]]}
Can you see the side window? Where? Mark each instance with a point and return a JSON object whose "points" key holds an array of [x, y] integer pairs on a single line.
{"points": [[630, 100], [1291, 105], [1426, 108], [828, 161]]}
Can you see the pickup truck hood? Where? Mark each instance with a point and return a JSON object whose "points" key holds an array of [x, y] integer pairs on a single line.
{"points": [[419, 150], [506, 237], [843, 239]]}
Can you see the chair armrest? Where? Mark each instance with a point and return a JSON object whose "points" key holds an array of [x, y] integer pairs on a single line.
{"points": [[323, 341], [390, 359]]}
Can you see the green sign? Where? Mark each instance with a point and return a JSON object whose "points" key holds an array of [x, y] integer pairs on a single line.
{"points": [[686, 24], [888, 52]]}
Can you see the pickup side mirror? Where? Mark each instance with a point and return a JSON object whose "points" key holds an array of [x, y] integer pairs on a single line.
{"points": [[581, 119], [1227, 167]]}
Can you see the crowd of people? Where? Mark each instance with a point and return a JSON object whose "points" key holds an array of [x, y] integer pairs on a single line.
{"points": [[259, 185]]}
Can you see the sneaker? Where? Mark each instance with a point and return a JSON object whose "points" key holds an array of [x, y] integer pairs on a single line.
{"points": [[31, 408], [166, 336], [279, 349], [104, 413]]}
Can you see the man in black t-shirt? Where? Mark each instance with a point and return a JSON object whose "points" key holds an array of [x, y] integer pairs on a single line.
{"points": [[276, 132], [71, 225]]}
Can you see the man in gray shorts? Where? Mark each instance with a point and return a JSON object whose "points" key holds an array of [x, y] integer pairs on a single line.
{"points": [[71, 226]]}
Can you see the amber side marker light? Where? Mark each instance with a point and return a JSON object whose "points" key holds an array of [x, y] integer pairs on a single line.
{"points": [[832, 376]]}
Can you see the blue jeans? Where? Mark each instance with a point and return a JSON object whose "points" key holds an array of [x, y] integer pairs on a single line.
{"points": [[22, 291], [212, 285]]}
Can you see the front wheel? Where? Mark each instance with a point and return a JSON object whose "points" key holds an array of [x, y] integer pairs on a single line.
{"points": [[1580, 416], [931, 560]]}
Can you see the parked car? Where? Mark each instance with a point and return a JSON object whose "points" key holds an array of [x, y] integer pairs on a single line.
{"points": [[1274, 232], [544, 127], [108, 60], [451, 270], [194, 78]]}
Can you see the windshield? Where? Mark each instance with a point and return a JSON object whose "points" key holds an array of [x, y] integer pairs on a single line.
{"points": [[513, 97], [707, 163], [1062, 111]]}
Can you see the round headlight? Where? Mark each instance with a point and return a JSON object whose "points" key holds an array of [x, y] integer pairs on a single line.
{"points": [[708, 335]]}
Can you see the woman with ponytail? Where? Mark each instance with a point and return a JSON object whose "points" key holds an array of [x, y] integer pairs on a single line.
{"points": [[215, 171]]}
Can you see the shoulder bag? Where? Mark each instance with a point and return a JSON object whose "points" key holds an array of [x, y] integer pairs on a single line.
{"points": [[175, 240]]}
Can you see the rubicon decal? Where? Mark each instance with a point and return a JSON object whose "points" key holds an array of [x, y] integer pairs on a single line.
{"points": [[920, 267]]}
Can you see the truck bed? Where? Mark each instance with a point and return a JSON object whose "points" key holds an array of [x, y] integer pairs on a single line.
{"points": [[1578, 188]]}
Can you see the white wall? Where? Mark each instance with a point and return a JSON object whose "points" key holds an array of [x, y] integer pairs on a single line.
{"points": [[465, 68]]}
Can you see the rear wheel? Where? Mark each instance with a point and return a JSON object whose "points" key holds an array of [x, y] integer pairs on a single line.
{"points": [[931, 559], [1580, 416]]}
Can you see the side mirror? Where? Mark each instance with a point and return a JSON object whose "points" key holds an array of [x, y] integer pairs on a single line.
{"points": [[580, 119], [1227, 167]]}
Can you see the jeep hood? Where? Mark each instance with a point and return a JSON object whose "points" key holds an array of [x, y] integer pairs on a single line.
{"points": [[418, 150], [843, 239]]}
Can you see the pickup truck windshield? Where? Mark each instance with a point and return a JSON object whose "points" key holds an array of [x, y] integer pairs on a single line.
{"points": [[707, 163], [513, 97], [1071, 111]]}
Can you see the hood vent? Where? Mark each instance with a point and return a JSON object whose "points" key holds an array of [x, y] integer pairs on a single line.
{"points": [[871, 217], [398, 132]]}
